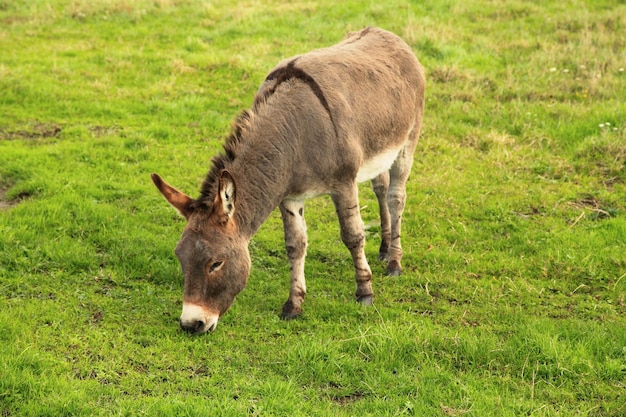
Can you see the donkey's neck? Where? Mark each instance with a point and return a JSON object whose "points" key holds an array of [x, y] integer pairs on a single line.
{"points": [[261, 170], [259, 192]]}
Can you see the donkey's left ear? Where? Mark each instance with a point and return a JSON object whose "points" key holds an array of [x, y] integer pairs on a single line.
{"points": [[225, 199]]}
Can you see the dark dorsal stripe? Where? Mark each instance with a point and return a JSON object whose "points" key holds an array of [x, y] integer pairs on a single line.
{"points": [[363, 33], [208, 189], [290, 71]]}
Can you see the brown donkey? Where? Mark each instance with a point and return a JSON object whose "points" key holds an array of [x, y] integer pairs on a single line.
{"points": [[320, 123]]}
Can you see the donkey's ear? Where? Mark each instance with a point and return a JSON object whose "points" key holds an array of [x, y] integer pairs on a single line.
{"points": [[225, 199], [179, 200]]}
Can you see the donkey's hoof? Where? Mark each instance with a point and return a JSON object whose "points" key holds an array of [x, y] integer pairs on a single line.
{"points": [[394, 272], [290, 316], [394, 269], [290, 311], [383, 251], [366, 300]]}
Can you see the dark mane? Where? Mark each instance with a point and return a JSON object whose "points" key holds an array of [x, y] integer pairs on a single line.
{"points": [[219, 162]]}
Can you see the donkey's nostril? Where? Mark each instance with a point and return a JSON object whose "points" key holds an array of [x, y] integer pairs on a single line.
{"points": [[193, 327], [198, 326]]}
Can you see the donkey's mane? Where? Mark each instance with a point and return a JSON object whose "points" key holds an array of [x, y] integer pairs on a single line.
{"points": [[208, 190]]}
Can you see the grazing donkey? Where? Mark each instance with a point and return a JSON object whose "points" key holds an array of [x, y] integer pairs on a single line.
{"points": [[320, 123]]}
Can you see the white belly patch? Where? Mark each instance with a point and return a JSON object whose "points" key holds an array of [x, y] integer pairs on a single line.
{"points": [[377, 165]]}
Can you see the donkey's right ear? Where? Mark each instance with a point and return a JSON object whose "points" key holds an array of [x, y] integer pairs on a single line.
{"points": [[179, 200]]}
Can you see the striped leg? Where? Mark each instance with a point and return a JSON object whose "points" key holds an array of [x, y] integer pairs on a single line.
{"points": [[380, 185], [396, 199], [292, 212], [346, 203]]}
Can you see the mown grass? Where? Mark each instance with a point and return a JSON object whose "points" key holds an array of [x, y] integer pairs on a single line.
{"points": [[512, 301]]}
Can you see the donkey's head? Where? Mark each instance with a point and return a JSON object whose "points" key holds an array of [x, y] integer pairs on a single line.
{"points": [[213, 255]]}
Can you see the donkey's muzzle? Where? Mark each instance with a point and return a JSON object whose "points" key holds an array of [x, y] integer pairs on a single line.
{"points": [[195, 319]]}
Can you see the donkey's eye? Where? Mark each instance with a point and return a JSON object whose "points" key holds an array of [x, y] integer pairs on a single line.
{"points": [[215, 266]]}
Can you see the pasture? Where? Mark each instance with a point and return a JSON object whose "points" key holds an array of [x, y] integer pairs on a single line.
{"points": [[513, 297]]}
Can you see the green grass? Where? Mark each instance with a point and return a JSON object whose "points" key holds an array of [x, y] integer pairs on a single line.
{"points": [[512, 301]]}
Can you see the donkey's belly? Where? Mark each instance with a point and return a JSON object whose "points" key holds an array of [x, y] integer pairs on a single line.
{"points": [[377, 165], [368, 170]]}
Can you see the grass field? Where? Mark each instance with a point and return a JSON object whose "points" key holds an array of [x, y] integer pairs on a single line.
{"points": [[512, 302]]}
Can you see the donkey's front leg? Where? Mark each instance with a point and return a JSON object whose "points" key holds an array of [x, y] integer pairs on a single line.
{"points": [[292, 212], [353, 236]]}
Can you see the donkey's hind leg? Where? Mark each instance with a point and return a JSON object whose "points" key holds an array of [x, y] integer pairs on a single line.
{"points": [[380, 185], [292, 212], [396, 199], [346, 202]]}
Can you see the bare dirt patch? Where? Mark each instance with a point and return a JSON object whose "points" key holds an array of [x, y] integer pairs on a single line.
{"points": [[3, 203], [35, 131], [598, 210], [6, 203], [101, 131]]}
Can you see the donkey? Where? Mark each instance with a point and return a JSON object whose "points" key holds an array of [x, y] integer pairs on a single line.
{"points": [[320, 123]]}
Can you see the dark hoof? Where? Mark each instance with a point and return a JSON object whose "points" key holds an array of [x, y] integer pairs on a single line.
{"points": [[290, 311], [383, 251], [366, 300], [290, 316], [394, 273], [394, 269]]}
